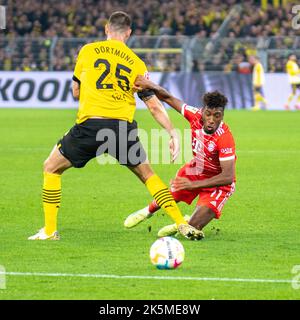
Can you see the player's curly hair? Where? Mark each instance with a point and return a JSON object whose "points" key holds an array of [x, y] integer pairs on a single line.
{"points": [[215, 99]]}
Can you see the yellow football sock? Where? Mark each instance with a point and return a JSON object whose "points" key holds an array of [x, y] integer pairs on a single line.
{"points": [[263, 99], [290, 99], [256, 100], [51, 200], [164, 198]]}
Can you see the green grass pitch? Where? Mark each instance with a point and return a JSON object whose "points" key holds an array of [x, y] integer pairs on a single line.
{"points": [[258, 236]]}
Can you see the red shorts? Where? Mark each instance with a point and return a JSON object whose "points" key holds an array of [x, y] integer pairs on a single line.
{"points": [[214, 198]]}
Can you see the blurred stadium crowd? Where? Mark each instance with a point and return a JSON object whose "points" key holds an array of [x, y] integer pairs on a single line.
{"points": [[46, 35]]}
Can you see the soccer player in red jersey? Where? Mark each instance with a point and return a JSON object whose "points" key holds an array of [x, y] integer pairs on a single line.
{"points": [[211, 173]]}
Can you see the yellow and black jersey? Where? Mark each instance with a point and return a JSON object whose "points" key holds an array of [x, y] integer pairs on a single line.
{"points": [[106, 71], [258, 75], [293, 72]]}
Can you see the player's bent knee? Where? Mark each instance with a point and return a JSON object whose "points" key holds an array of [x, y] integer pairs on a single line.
{"points": [[53, 166], [49, 166]]}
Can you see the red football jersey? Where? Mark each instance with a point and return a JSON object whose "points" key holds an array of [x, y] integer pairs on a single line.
{"points": [[208, 149]]}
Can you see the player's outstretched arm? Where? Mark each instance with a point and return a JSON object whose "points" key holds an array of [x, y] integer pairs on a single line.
{"points": [[75, 89], [161, 116], [141, 83]]}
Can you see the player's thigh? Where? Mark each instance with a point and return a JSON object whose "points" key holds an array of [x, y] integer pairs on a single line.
{"points": [[130, 151], [186, 196], [201, 216], [215, 198], [56, 162], [143, 171]]}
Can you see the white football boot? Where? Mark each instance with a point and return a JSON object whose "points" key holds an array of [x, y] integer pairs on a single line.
{"points": [[137, 217], [41, 235]]}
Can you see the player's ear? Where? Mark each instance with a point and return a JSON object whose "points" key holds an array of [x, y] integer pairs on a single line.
{"points": [[128, 33], [106, 29]]}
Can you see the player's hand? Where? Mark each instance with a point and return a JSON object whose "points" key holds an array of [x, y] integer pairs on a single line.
{"points": [[141, 83], [180, 183], [174, 147]]}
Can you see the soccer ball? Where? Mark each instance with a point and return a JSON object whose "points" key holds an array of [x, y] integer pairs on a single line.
{"points": [[167, 253]]}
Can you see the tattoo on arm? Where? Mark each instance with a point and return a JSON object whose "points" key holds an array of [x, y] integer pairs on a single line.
{"points": [[147, 98], [161, 93]]}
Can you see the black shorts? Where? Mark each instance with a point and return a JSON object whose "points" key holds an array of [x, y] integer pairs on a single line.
{"points": [[94, 137], [295, 86], [257, 89]]}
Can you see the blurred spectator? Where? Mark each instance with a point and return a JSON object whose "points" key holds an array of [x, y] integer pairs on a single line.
{"points": [[75, 20]]}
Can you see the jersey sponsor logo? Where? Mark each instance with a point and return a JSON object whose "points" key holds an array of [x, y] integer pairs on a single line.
{"points": [[226, 150]]}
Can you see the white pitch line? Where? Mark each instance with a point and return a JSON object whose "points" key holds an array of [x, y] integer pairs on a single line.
{"points": [[114, 276]]}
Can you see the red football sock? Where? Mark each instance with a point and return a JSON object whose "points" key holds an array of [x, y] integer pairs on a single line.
{"points": [[153, 207]]}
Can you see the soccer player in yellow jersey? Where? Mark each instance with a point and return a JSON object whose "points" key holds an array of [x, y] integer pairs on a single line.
{"points": [[293, 72], [103, 82], [258, 80]]}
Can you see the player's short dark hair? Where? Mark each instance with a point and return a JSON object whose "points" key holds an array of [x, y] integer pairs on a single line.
{"points": [[214, 99], [119, 21]]}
